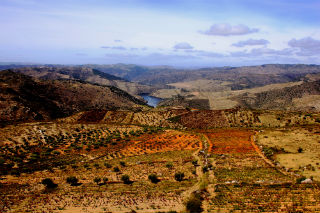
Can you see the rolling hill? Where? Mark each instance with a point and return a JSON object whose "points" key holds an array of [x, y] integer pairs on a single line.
{"points": [[84, 74], [23, 98], [305, 96]]}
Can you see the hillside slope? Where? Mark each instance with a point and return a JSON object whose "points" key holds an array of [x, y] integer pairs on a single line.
{"points": [[84, 74], [304, 97], [25, 99]]}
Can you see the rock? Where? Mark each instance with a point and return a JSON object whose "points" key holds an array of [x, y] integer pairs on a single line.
{"points": [[308, 180]]}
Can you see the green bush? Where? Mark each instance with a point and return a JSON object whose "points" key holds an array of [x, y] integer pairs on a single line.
{"points": [[169, 165], [116, 169], [73, 181], [126, 179], [153, 178], [300, 179], [108, 165], [193, 205], [49, 183], [97, 180], [179, 176]]}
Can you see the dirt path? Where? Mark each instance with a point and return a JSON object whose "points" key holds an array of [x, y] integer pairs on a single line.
{"points": [[211, 178], [200, 175], [269, 162]]}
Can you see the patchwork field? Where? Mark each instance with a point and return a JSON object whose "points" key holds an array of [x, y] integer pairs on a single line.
{"points": [[99, 162], [91, 153], [246, 181]]}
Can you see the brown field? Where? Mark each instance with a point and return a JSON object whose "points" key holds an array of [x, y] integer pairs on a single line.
{"points": [[307, 162]]}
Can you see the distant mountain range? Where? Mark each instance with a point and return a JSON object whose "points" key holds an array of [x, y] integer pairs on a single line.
{"points": [[239, 77]]}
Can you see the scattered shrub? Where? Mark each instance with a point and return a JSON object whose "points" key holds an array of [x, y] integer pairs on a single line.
{"points": [[169, 165], [153, 178], [300, 179], [116, 169], [49, 183], [193, 205], [195, 162], [105, 180], [300, 150], [97, 180], [73, 181], [179, 176], [108, 165], [126, 179]]}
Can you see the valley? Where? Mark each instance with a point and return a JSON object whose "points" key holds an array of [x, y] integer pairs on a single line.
{"points": [[74, 140]]}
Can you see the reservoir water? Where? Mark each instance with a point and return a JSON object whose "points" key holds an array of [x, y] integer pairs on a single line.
{"points": [[151, 101]]}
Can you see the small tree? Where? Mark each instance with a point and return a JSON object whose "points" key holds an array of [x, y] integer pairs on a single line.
{"points": [[97, 180], [126, 179], [194, 204], [169, 165], [73, 181], [107, 165], [49, 183], [179, 176], [122, 163], [195, 162], [105, 180], [153, 178], [300, 150], [116, 169]]}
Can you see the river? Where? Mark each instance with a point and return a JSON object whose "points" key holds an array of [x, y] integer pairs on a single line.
{"points": [[151, 100]]}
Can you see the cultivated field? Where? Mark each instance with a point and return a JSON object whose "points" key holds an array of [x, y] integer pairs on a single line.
{"points": [[195, 161]]}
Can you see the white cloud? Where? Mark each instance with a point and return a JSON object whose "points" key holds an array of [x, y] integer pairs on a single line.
{"points": [[251, 42], [257, 52], [202, 53], [229, 30], [114, 48], [307, 46], [183, 46]]}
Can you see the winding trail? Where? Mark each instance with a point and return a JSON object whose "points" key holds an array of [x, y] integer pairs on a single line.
{"points": [[259, 152]]}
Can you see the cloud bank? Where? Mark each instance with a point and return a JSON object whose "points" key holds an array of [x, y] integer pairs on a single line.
{"points": [[251, 42], [183, 46], [229, 30], [307, 46]]}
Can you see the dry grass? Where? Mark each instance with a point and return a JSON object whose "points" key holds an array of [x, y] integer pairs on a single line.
{"points": [[291, 139]]}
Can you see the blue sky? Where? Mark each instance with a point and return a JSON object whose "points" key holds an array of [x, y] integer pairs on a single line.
{"points": [[184, 33]]}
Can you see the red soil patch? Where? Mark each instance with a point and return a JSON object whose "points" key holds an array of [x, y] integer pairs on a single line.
{"points": [[204, 119], [167, 141], [230, 142]]}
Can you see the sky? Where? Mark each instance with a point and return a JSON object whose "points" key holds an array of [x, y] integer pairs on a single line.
{"points": [[181, 33]]}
